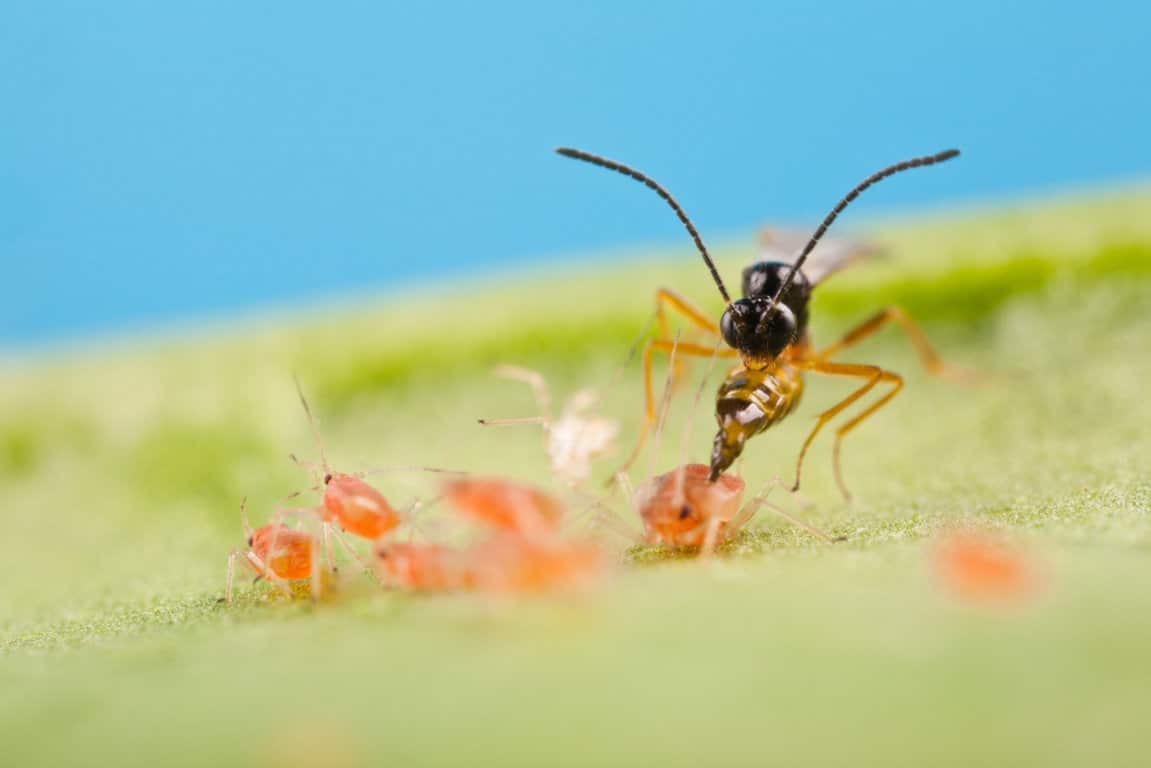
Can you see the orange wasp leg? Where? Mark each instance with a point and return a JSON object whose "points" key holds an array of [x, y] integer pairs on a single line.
{"points": [[876, 322], [874, 375], [666, 298], [664, 345]]}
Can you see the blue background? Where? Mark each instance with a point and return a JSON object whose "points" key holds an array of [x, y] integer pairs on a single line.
{"points": [[162, 162]]}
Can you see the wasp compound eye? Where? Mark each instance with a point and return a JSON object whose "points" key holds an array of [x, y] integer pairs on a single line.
{"points": [[738, 323], [777, 328]]}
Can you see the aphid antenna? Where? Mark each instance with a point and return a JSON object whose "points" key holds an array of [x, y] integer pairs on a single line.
{"points": [[533, 379], [874, 178], [313, 424], [244, 523], [623, 482], [664, 407], [409, 468], [515, 421], [612, 165], [678, 496]]}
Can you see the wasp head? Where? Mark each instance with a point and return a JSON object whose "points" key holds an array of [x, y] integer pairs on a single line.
{"points": [[759, 328]]}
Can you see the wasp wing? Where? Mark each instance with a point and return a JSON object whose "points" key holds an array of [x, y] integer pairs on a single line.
{"points": [[830, 256]]}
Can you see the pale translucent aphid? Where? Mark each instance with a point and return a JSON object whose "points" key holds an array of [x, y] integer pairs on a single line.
{"points": [[574, 439]]}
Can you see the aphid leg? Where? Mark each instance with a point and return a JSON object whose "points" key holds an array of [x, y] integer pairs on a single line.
{"points": [[606, 519], [265, 572], [411, 514], [317, 581], [876, 322], [351, 552], [874, 374], [710, 538], [625, 485], [326, 539], [231, 575], [798, 523], [750, 508]]}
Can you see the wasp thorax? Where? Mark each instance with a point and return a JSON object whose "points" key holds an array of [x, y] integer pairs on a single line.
{"points": [[758, 328]]}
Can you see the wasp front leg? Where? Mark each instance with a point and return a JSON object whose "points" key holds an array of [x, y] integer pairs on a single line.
{"points": [[667, 300]]}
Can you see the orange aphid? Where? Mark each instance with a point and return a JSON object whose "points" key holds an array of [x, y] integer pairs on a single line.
{"points": [[508, 563], [975, 565], [349, 502], [276, 553], [524, 552], [681, 508], [285, 551], [423, 567], [504, 505], [357, 507]]}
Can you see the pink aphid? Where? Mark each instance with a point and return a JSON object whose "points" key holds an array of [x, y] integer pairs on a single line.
{"points": [[682, 509]]}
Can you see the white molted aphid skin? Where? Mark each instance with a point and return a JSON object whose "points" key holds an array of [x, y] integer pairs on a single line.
{"points": [[574, 439]]}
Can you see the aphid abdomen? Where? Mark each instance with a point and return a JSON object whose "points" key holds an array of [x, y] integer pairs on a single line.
{"points": [[748, 402]]}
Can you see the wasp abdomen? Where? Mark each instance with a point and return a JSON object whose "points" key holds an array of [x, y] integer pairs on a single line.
{"points": [[747, 403]]}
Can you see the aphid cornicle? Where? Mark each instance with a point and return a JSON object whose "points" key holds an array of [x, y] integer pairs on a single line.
{"points": [[767, 329]]}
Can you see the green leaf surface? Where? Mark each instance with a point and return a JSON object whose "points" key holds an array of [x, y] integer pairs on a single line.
{"points": [[122, 467]]}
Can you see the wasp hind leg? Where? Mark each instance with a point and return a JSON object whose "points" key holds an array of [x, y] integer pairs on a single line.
{"points": [[927, 355], [874, 375]]}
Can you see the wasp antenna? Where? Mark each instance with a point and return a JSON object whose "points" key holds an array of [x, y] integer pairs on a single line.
{"points": [[878, 176], [311, 423], [612, 165]]}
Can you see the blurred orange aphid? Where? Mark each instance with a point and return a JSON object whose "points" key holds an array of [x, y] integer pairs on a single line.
{"points": [[523, 550], [682, 509], [276, 553], [423, 567], [975, 565], [504, 505], [508, 563]]}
